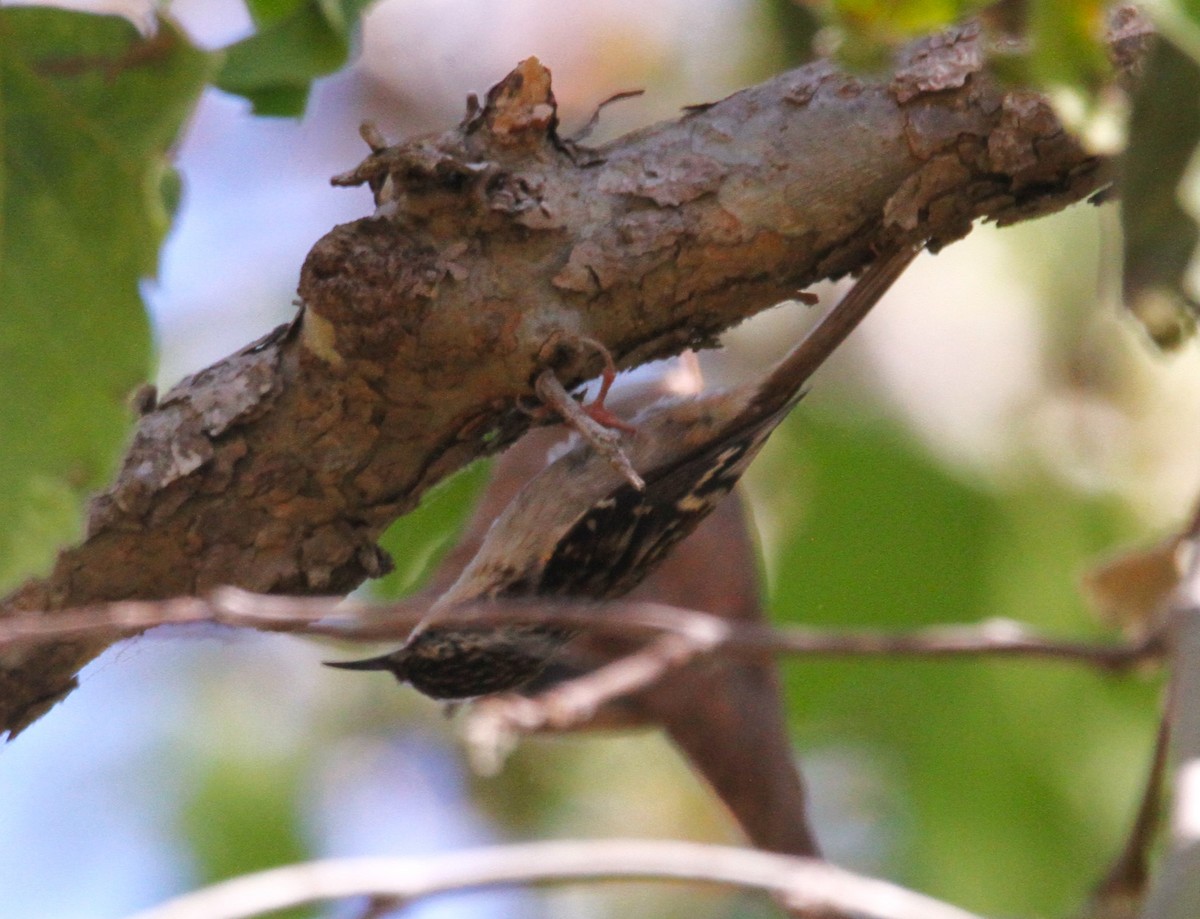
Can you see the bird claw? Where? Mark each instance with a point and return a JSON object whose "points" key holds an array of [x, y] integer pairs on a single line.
{"points": [[593, 422]]}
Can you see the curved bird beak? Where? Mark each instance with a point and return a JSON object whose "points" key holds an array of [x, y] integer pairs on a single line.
{"points": [[383, 662]]}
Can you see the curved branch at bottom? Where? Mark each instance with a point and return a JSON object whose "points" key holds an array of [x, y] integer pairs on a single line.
{"points": [[803, 884]]}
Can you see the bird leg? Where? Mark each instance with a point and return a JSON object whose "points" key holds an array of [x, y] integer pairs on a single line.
{"points": [[589, 422]]}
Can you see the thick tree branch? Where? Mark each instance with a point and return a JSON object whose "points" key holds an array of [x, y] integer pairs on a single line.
{"points": [[425, 324]]}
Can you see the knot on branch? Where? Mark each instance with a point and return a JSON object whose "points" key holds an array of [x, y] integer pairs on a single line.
{"points": [[517, 121], [441, 201], [520, 111]]}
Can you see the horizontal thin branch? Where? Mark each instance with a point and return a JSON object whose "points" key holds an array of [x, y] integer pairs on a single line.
{"points": [[357, 621], [496, 722], [804, 884]]}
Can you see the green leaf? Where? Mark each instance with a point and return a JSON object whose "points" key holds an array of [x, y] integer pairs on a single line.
{"points": [[914, 539], [243, 816], [297, 41], [268, 12], [1017, 778], [869, 30], [795, 26], [908, 19], [1179, 22], [1067, 44], [418, 540], [1159, 235], [88, 110]]}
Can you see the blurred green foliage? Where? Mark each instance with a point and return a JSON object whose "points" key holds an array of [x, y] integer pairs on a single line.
{"points": [[418, 540], [1064, 37], [1004, 763], [296, 41], [795, 26], [1159, 232], [1066, 45], [243, 815], [88, 111], [868, 30]]}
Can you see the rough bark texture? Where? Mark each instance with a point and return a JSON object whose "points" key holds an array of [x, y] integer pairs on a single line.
{"points": [[424, 325]]}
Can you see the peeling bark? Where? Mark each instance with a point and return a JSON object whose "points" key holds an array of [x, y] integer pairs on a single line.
{"points": [[425, 324]]}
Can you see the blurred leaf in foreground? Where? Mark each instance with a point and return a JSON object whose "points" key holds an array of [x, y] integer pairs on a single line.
{"points": [[1159, 235], [242, 816], [1067, 44], [88, 110], [418, 540], [296, 41], [1018, 776]]}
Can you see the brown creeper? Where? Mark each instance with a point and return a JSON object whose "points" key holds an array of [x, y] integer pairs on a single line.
{"points": [[580, 530]]}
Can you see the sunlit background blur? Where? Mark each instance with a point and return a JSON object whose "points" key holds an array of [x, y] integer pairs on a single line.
{"points": [[994, 428]]}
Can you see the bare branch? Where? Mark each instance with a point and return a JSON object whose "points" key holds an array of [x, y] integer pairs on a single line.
{"points": [[1120, 892], [495, 722], [350, 620], [1175, 893], [804, 884]]}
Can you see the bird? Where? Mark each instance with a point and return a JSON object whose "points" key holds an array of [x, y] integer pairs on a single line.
{"points": [[581, 530]]}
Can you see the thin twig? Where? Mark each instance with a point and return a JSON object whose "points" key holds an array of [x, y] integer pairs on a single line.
{"points": [[1175, 893], [805, 884], [358, 621], [495, 722], [583, 133], [1123, 886]]}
